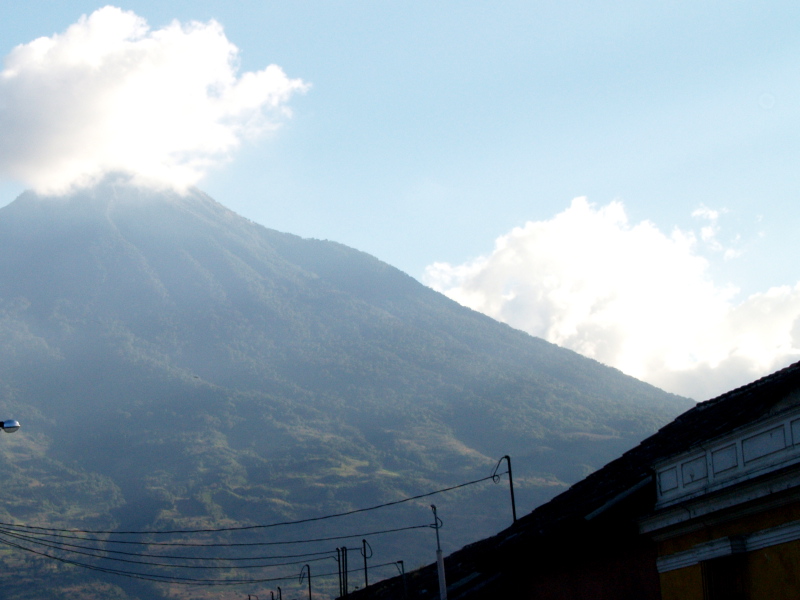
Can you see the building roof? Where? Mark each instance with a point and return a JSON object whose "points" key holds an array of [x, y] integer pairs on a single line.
{"points": [[706, 421], [611, 485]]}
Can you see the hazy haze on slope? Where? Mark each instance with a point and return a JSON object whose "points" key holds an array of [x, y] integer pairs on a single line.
{"points": [[177, 365]]}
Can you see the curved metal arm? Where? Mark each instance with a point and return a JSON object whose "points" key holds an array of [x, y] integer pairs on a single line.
{"points": [[437, 523], [402, 568], [496, 478], [306, 569], [366, 554]]}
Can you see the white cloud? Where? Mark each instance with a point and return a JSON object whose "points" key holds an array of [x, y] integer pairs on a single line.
{"points": [[709, 234], [631, 297], [110, 94]]}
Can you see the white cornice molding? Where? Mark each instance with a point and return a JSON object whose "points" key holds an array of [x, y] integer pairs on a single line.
{"points": [[730, 545], [744, 454], [750, 496]]}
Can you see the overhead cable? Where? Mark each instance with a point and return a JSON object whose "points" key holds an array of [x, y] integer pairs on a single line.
{"points": [[217, 544], [264, 526], [165, 578]]}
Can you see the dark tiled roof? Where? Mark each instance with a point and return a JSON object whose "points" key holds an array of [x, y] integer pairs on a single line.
{"points": [[706, 421], [630, 472]]}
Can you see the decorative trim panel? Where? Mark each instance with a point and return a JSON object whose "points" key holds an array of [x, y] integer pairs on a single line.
{"points": [[744, 454], [789, 532]]}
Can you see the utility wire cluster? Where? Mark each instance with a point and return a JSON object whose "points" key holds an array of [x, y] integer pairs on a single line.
{"points": [[198, 557]]}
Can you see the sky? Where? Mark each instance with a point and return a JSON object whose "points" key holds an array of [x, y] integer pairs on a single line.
{"points": [[620, 179]]}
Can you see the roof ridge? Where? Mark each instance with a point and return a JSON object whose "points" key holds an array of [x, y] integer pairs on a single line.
{"points": [[765, 380]]}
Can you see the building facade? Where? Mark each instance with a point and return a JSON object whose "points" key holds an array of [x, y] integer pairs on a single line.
{"points": [[708, 508], [727, 514]]}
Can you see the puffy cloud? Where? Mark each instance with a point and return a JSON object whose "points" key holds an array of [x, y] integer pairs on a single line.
{"points": [[631, 297], [709, 233], [111, 95]]}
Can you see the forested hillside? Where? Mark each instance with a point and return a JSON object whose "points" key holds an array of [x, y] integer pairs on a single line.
{"points": [[176, 366]]}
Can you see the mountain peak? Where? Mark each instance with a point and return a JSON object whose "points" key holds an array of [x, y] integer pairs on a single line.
{"points": [[217, 369]]}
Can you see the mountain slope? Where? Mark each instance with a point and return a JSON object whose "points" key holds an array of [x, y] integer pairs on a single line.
{"points": [[175, 364]]}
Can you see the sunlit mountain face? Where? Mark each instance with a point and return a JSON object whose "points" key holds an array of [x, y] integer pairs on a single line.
{"points": [[176, 366]]}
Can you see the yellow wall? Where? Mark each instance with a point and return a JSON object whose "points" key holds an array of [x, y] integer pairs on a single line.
{"points": [[772, 573], [731, 527], [682, 584]]}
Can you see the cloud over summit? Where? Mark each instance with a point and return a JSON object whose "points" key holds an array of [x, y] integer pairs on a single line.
{"points": [[112, 95]]}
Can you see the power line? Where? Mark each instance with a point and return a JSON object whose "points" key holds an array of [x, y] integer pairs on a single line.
{"points": [[145, 576], [50, 538], [167, 578], [215, 544], [267, 526], [173, 557], [64, 548]]}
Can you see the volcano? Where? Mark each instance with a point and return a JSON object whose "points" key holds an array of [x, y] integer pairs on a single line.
{"points": [[175, 365]]}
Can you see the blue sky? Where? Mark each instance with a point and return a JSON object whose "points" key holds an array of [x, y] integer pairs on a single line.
{"points": [[431, 130]]}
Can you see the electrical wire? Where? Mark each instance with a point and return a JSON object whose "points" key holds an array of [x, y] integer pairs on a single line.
{"points": [[63, 548], [168, 578], [224, 544], [173, 557], [145, 576], [42, 537], [266, 526]]}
